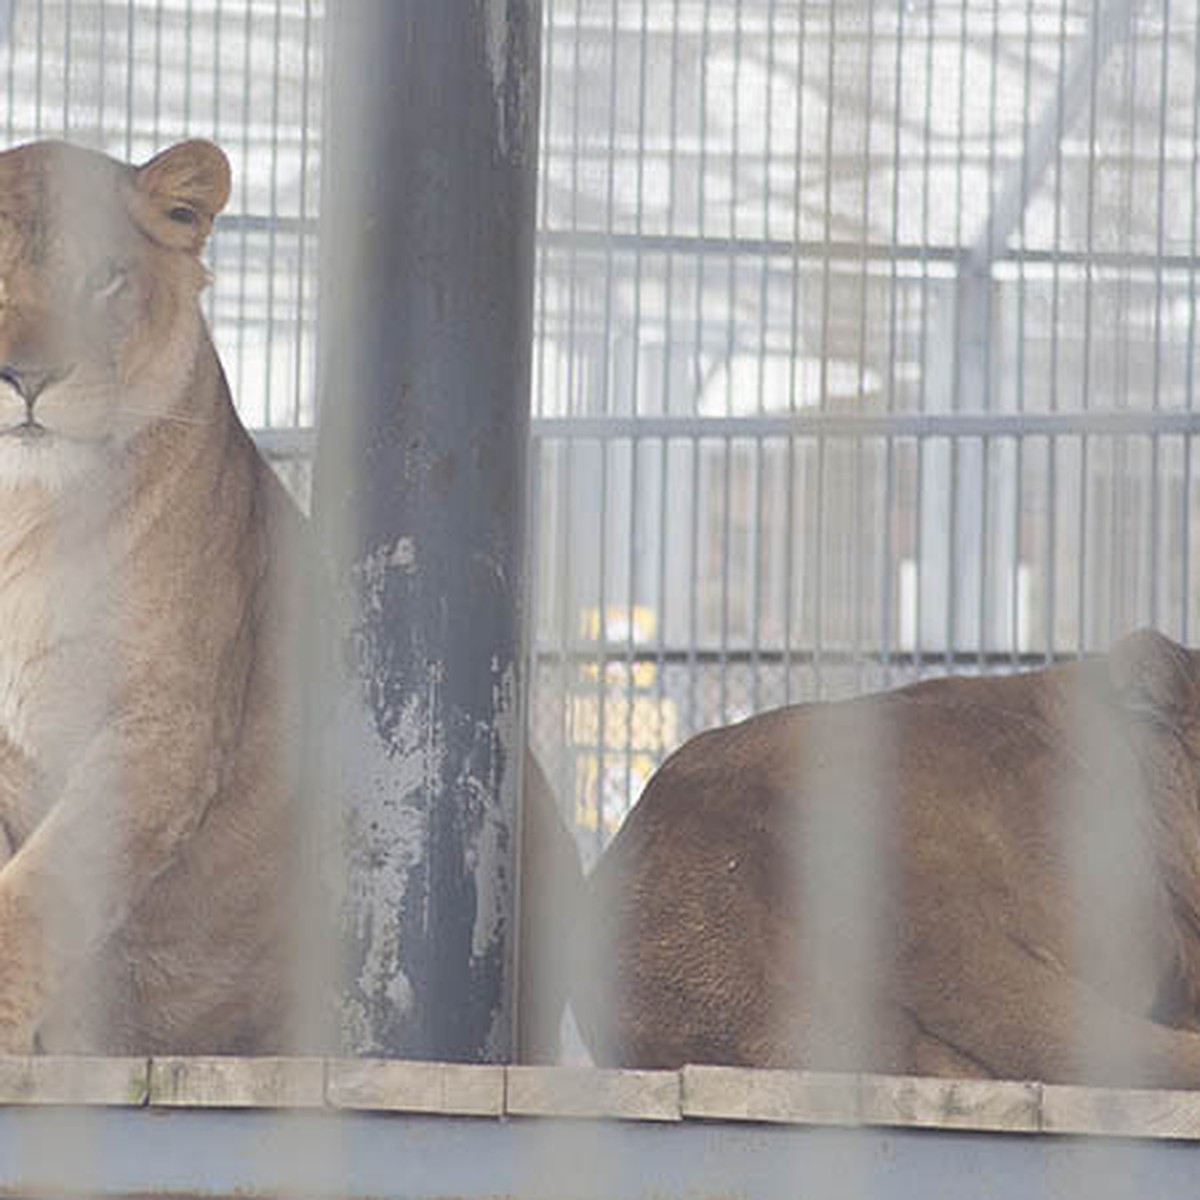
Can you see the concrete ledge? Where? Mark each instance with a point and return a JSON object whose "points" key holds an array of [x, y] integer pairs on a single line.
{"points": [[1143, 1114], [696, 1094], [54, 1080], [813, 1098], [996, 1106], [385, 1085], [788, 1097], [237, 1082], [584, 1092]]}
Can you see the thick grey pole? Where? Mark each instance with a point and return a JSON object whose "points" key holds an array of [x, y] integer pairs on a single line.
{"points": [[428, 166]]}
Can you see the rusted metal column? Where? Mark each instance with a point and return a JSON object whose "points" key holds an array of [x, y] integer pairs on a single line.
{"points": [[429, 158]]}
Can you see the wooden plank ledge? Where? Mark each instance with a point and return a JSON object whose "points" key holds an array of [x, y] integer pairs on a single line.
{"points": [[694, 1094]]}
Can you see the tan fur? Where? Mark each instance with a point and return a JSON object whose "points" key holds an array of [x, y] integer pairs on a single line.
{"points": [[987, 960], [145, 724]]}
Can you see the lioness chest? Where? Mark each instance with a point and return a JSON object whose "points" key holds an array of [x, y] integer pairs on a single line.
{"points": [[57, 633]]}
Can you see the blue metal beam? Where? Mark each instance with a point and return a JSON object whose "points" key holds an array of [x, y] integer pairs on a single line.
{"points": [[191, 1153]]}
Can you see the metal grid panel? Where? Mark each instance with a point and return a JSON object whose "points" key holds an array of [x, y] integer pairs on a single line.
{"points": [[866, 332], [867, 351]]}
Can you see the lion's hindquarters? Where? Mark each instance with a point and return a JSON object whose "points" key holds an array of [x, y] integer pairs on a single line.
{"points": [[727, 946]]}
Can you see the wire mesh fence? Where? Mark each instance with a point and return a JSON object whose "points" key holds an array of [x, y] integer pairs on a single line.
{"points": [[867, 352], [865, 332]]}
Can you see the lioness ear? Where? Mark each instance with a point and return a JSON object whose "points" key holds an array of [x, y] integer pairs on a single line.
{"points": [[1153, 676], [180, 191]]}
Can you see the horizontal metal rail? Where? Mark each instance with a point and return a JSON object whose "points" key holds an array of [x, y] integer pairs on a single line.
{"points": [[617, 653], [818, 423], [754, 249], [295, 442]]}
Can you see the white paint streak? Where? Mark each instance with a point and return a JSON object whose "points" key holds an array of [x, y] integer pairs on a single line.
{"points": [[384, 783], [514, 106], [495, 21], [389, 780], [487, 853]]}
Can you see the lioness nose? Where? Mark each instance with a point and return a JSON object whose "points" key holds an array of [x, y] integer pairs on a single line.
{"points": [[30, 382]]}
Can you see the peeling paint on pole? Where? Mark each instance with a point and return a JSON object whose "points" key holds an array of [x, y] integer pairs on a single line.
{"points": [[426, 302]]}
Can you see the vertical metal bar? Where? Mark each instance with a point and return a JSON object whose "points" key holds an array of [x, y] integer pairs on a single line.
{"points": [[244, 191], [864, 304], [102, 70], [823, 522], [546, 461], [1190, 383], [934, 463], [542, 291], [694, 588], [156, 119], [735, 121], [757, 534], [273, 218], [986, 332], [726, 544], [129, 76], [1086, 374], [667, 370], [424, 378], [699, 368], [603, 447], [39, 71], [762, 519], [795, 350], [1164, 77], [635, 351], [607, 406], [67, 68], [1055, 345], [217, 114], [730, 352], [570, 607], [1123, 581], [188, 69], [10, 90], [893, 355], [301, 317], [926, 189], [1020, 366]]}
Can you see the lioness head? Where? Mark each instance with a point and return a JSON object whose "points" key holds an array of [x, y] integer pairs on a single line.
{"points": [[99, 274]]}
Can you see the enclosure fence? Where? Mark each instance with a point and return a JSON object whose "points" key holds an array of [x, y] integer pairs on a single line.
{"points": [[866, 332]]}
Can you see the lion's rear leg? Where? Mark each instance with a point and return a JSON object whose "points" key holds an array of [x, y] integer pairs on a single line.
{"points": [[1016, 1014]]}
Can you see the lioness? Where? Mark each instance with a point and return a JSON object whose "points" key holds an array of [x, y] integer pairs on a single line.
{"points": [[145, 721], [1000, 946]]}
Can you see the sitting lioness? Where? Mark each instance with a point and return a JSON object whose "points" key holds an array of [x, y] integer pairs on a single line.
{"points": [[968, 877], [145, 721]]}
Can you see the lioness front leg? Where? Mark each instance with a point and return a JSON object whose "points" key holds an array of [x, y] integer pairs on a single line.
{"points": [[21, 797], [116, 827]]}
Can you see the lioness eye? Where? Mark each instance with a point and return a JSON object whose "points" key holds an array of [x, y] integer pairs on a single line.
{"points": [[106, 281]]}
